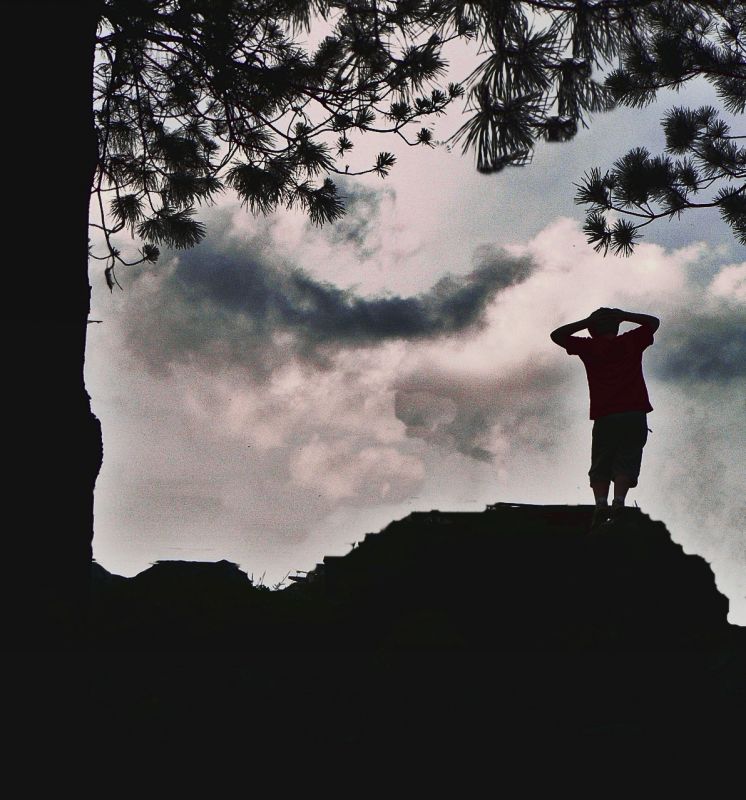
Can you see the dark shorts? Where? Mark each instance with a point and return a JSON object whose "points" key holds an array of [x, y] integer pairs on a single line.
{"points": [[618, 440]]}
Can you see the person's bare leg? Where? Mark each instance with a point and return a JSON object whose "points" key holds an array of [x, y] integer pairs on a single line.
{"points": [[601, 492], [622, 485]]}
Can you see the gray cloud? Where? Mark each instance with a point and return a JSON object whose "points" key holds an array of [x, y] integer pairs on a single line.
{"points": [[701, 347], [230, 303], [459, 414], [360, 224]]}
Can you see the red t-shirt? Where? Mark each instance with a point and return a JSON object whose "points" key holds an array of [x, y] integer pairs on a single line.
{"points": [[614, 370]]}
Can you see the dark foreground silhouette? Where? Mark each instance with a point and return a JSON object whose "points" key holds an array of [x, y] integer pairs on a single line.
{"points": [[513, 629]]}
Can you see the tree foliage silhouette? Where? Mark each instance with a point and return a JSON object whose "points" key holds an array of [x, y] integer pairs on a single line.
{"points": [[679, 42], [193, 96]]}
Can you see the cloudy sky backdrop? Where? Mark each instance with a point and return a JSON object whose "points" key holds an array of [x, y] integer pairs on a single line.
{"points": [[278, 391]]}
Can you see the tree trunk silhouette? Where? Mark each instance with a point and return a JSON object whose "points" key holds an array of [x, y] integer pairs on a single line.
{"points": [[56, 440]]}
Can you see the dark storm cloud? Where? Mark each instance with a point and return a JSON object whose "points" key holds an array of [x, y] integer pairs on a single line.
{"points": [[235, 305], [321, 312], [458, 413], [701, 348]]}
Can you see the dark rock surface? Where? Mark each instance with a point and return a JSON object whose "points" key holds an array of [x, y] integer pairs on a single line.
{"points": [[443, 632]]}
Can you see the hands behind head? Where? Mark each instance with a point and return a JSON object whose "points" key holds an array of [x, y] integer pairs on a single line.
{"points": [[607, 315]]}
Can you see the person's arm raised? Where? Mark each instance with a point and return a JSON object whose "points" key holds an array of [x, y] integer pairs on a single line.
{"points": [[639, 319], [561, 334]]}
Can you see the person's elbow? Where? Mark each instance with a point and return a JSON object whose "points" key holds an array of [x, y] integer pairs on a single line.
{"points": [[558, 338], [654, 323]]}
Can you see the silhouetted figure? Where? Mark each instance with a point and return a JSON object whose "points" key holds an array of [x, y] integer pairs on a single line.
{"points": [[619, 400]]}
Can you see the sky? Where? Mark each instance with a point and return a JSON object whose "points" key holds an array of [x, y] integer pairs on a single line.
{"points": [[280, 390]]}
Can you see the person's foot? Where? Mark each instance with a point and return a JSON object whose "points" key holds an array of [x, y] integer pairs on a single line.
{"points": [[617, 512], [600, 516]]}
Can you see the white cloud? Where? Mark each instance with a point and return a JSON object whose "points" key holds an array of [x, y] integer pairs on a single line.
{"points": [[729, 284], [341, 471]]}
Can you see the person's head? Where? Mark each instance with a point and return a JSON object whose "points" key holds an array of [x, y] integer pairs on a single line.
{"points": [[603, 323], [600, 329]]}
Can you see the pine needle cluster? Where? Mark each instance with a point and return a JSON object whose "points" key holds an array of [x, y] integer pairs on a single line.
{"points": [[678, 42]]}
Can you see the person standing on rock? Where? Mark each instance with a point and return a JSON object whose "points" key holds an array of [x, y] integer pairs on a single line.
{"points": [[619, 400]]}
